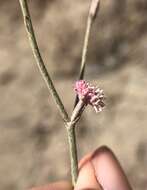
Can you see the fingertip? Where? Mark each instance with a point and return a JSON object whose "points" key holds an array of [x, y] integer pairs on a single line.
{"points": [[108, 170]]}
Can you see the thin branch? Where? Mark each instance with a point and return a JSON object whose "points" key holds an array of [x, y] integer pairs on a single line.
{"points": [[39, 60], [85, 47], [94, 6], [77, 112], [91, 17]]}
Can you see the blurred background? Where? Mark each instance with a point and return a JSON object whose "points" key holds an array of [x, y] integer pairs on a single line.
{"points": [[33, 142]]}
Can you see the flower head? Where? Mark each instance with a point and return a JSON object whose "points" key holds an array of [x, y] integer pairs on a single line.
{"points": [[90, 95]]}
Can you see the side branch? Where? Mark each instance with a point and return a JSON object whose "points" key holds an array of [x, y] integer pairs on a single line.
{"points": [[39, 60], [94, 6], [93, 10]]}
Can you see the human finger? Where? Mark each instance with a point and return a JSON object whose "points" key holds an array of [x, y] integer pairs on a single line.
{"points": [[108, 171]]}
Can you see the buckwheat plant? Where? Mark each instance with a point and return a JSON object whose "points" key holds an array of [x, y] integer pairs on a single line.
{"points": [[86, 94]]}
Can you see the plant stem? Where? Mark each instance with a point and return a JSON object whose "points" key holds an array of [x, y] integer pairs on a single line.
{"points": [[72, 139], [71, 126], [91, 17], [73, 153], [85, 48], [39, 60], [90, 20]]}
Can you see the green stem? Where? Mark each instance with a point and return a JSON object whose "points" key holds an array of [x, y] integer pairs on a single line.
{"points": [[85, 48], [73, 153], [71, 126], [91, 17], [39, 60]]}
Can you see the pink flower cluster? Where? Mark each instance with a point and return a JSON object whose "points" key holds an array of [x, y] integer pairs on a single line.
{"points": [[90, 94]]}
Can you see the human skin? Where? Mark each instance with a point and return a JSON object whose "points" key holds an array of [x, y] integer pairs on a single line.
{"points": [[99, 170]]}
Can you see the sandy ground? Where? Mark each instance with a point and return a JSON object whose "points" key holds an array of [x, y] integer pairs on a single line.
{"points": [[33, 143]]}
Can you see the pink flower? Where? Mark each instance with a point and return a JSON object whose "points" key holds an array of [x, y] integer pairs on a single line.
{"points": [[90, 95]]}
